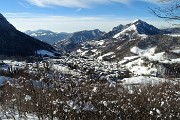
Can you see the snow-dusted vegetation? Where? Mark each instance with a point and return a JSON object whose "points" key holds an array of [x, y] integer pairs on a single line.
{"points": [[80, 88]]}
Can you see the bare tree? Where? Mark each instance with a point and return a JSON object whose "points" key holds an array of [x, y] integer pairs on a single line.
{"points": [[168, 10]]}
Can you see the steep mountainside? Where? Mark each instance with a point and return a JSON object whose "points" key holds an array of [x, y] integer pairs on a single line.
{"points": [[48, 36], [14, 42]]}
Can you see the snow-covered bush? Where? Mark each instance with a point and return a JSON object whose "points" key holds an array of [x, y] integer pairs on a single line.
{"points": [[50, 94]]}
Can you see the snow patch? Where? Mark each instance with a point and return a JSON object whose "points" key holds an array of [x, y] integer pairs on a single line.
{"points": [[156, 57], [27, 98], [174, 35], [137, 67], [45, 52], [107, 54], [131, 28], [101, 42], [143, 80], [141, 52], [79, 51], [34, 34], [84, 52], [176, 51]]}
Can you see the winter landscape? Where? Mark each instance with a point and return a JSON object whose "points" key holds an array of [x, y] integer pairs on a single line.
{"points": [[131, 72]]}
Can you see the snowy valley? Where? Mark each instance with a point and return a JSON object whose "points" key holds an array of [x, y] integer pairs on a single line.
{"points": [[131, 72]]}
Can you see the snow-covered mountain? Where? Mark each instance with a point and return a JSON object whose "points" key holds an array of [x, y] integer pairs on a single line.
{"points": [[47, 35], [137, 34], [73, 41], [117, 40], [136, 29], [116, 50], [14, 42], [113, 32]]}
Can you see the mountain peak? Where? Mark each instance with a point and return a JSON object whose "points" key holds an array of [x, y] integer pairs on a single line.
{"points": [[4, 24], [2, 18], [119, 27], [137, 21], [138, 28]]}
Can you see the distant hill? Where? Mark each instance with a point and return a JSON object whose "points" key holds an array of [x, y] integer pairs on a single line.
{"points": [[48, 36], [77, 38], [16, 43], [172, 31]]}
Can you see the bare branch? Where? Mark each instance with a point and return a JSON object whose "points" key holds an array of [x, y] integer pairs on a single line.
{"points": [[170, 10], [165, 17]]}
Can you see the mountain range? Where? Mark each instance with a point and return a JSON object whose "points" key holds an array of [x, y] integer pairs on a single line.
{"points": [[136, 30], [119, 35], [48, 36], [88, 42], [71, 43], [118, 43]]}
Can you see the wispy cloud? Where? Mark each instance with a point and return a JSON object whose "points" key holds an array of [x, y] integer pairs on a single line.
{"points": [[72, 3], [29, 21], [80, 3], [24, 5], [79, 9]]}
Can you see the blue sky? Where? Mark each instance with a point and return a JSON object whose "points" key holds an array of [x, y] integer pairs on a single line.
{"points": [[76, 15]]}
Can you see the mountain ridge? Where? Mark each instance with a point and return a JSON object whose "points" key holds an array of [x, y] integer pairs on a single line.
{"points": [[47, 35], [77, 38]]}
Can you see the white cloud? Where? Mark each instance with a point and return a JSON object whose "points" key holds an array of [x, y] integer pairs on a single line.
{"points": [[80, 3], [28, 21], [72, 3], [79, 9], [62, 23], [25, 6]]}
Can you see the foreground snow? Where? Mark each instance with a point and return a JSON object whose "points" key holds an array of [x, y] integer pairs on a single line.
{"points": [[14, 116]]}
